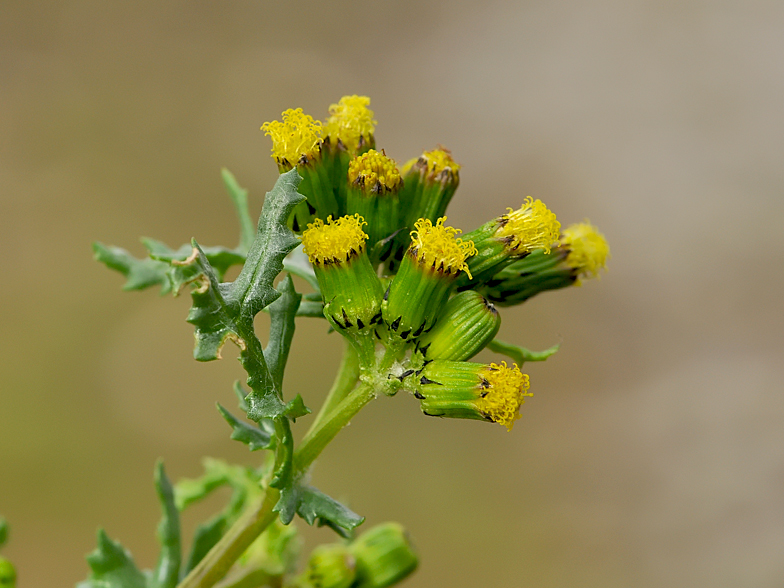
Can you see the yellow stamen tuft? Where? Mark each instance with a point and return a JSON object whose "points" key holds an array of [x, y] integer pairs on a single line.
{"points": [[532, 226], [334, 241], [374, 171], [349, 120], [588, 249], [434, 162], [440, 247], [506, 390], [297, 135]]}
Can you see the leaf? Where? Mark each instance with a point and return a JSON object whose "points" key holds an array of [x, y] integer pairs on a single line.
{"points": [[239, 196], [139, 273], [210, 314], [3, 531], [521, 354], [220, 258], [282, 313], [254, 437], [252, 290], [315, 507], [166, 574], [311, 309], [205, 536], [112, 567]]}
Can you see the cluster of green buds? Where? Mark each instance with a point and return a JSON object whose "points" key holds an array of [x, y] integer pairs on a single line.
{"points": [[414, 298], [380, 557]]}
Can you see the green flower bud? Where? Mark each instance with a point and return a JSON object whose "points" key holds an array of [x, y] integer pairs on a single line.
{"points": [[7, 574], [582, 253], [349, 285], [422, 286], [384, 556], [330, 566], [348, 132], [509, 237], [465, 327], [463, 390], [296, 141], [373, 186]]}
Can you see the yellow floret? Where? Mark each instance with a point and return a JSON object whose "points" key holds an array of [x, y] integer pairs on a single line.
{"points": [[588, 249], [374, 171], [532, 226], [434, 162], [440, 247], [349, 120], [506, 389], [297, 135], [334, 241]]}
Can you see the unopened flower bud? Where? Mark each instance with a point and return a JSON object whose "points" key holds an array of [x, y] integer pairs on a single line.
{"points": [[509, 237], [384, 556], [582, 253], [432, 263], [464, 390], [350, 288], [465, 326], [330, 566], [373, 186], [296, 141]]}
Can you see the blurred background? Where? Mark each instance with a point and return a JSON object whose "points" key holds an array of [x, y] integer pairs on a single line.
{"points": [[652, 453]]}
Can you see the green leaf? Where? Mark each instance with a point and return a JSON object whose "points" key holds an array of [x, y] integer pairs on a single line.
{"points": [[282, 313], [220, 258], [210, 314], [112, 567], [166, 574], [254, 437], [239, 196], [311, 309], [252, 290], [315, 507], [139, 273], [3, 531], [296, 408], [521, 354]]}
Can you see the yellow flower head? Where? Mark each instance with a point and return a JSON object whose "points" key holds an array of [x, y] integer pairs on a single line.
{"points": [[435, 162], [588, 249], [297, 135], [375, 172], [440, 247], [335, 241], [349, 120], [505, 389], [532, 226]]}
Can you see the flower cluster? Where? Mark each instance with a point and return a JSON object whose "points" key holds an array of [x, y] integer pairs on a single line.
{"points": [[415, 298]]}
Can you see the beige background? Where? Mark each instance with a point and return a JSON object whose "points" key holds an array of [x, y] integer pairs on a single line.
{"points": [[652, 453]]}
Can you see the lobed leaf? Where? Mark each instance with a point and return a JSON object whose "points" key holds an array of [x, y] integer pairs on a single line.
{"points": [[112, 567], [315, 507], [239, 196], [282, 313], [139, 273], [254, 437], [166, 573]]}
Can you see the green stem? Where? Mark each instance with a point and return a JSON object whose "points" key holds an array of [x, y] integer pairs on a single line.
{"points": [[233, 544], [319, 436], [345, 380], [252, 523]]}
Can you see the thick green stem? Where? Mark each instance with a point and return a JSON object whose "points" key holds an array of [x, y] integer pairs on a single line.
{"points": [[345, 380], [233, 544]]}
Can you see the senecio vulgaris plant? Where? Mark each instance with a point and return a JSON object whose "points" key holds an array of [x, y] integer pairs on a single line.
{"points": [[414, 302]]}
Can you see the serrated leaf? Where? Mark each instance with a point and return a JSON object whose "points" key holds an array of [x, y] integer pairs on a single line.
{"points": [[220, 258], [282, 324], [296, 408], [315, 507], [167, 571], [521, 354], [282, 477], [254, 437], [139, 273], [239, 196], [252, 289], [112, 567], [209, 314]]}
